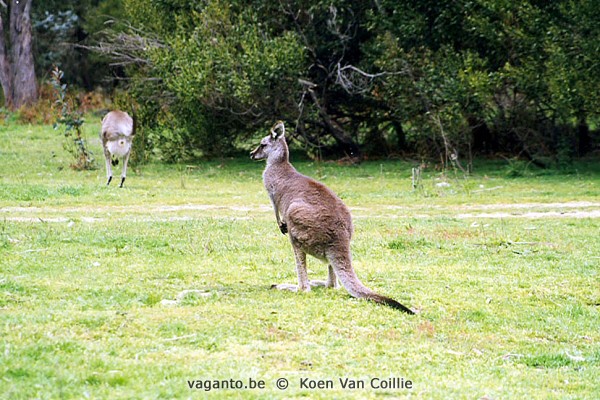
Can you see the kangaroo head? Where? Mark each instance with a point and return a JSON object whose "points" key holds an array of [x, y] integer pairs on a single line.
{"points": [[273, 146]]}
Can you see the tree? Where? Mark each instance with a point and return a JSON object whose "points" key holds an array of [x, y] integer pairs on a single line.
{"points": [[501, 76], [435, 77], [210, 71], [62, 29], [17, 70]]}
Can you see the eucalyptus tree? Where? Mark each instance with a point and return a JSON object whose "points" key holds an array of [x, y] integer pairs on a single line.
{"points": [[17, 69]]}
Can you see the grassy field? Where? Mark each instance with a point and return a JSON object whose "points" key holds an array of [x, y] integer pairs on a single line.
{"points": [[503, 268]]}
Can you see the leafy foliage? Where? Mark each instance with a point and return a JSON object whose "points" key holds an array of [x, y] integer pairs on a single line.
{"points": [[435, 78], [219, 71], [71, 122], [62, 28], [495, 69]]}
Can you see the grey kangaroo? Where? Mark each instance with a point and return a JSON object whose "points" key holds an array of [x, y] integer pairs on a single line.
{"points": [[117, 132], [318, 222]]}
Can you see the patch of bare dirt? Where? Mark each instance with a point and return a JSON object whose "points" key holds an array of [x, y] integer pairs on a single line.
{"points": [[90, 214]]}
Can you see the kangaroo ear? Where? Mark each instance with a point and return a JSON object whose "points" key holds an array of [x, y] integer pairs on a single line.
{"points": [[278, 130]]}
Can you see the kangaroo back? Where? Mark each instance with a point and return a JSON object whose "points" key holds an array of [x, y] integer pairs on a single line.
{"points": [[117, 123]]}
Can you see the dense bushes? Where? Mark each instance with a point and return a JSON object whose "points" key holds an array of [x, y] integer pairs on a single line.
{"points": [[424, 77]]}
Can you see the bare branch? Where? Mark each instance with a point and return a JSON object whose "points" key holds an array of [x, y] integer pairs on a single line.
{"points": [[355, 80], [125, 48], [307, 84], [299, 29]]}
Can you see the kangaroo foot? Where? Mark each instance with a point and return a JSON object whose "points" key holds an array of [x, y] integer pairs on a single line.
{"points": [[322, 284], [288, 286]]}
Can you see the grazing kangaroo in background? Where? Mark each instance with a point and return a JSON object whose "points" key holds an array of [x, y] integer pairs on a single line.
{"points": [[117, 132], [318, 222]]}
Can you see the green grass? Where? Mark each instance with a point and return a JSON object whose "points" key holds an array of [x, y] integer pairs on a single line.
{"points": [[508, 306]]}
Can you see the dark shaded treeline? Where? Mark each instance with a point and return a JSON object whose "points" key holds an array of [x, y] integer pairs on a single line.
{"points": [[447, 79]]}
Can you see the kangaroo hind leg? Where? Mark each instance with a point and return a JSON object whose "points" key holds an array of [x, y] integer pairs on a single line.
{"points": [[124, 170], [107, 158], [303, 284], [331, 281]]}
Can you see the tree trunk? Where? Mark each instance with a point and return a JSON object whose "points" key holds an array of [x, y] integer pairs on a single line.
{"points": [[348, 146], [482, 139], [400, 135], [584, 139], [5, 74], [24, 82]]}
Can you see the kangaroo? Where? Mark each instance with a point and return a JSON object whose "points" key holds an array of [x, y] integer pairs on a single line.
{"points": [[318, 222], [117, 132]]}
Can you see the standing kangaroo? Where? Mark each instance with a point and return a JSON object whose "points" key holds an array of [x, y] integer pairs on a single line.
{"points": [[318, 222], [117, 132]]}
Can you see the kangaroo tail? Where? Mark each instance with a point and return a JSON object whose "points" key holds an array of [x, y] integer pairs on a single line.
{"points": [[134, 118], [355, 287], [390, 302]]}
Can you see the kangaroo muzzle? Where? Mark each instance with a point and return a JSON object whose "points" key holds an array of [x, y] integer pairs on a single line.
{"points": [[253, 154]]}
